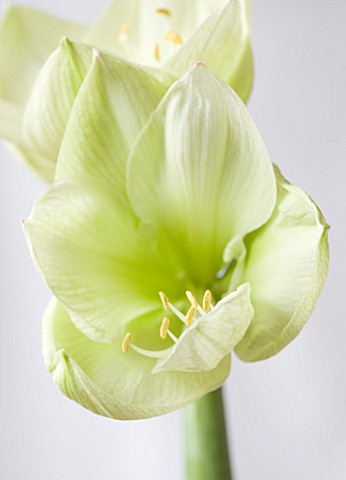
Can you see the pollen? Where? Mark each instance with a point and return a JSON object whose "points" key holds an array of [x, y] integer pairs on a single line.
{"points": [[163, 11], [192, 299], [190, 315], [157, 52], [124, 33], [164, 328], [126, 343], [164, 300], [173, 37], [207, 301]]}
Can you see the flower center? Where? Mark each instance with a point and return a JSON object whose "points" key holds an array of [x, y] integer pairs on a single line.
{"points": [[194, 312]]}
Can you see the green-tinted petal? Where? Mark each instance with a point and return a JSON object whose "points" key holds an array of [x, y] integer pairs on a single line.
{"points": [[222, 42], [202, 346], [286, 265], [201, 170], [104, 380], [106, 102], [50, 104], [113, 104], [27, 37], [85, 243]]}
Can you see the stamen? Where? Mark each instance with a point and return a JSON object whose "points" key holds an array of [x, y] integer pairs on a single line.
{"points": [[157, 52], [168, 306], [164, 300], [124, 33], [173, 337], [164, 11], [176, 312], [190, 315], [192, 299], [164, 328], [173, 37], [126, 343], [207, 301], [151, 353]]}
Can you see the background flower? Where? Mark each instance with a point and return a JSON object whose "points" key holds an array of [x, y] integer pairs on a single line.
{"points": [[168, 41]]}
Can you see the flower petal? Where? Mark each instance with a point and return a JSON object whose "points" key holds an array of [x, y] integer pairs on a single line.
{"points": [[85, 242], [200, 169], [104, 380], [286, 265], [51, 101], [202, 346], [105, 102], [112, 106], [27, 37], [222, 43]]}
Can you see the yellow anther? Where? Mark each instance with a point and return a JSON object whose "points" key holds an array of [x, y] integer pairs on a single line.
{"points": [[173, 37], [163, 11], [164, 300], [157, 52], [207, 300], [124, 32], [164, 328], [126, 343], [192, 299], [190, 315]]}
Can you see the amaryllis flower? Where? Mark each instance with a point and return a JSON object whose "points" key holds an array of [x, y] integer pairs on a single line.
{"points": [[162, 265], [167, 37]]}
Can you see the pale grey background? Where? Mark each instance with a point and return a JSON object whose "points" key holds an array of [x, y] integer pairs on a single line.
{"points": [[287, 415]]}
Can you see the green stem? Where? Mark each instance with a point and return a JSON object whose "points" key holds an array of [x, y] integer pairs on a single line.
{"points": [[206, 439]]}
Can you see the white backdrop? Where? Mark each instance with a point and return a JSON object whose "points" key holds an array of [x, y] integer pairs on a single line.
{"points": [[287, 415]]}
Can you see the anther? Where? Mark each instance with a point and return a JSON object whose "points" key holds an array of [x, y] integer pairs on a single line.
{"points": [[173, 37], [157, 52], [163, 11], [190, 315], [192, 299], [124, 33], [164, 328], [164, 300], [126, 343], [206, 301]]}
